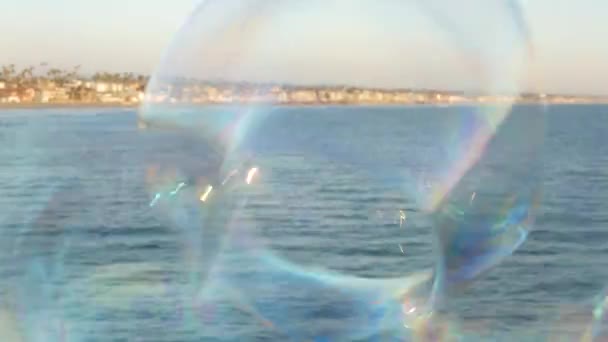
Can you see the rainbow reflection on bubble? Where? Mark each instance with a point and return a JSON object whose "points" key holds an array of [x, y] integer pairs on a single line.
{"points": [[260, 181], [279, 221], [490, 212], [596, 328]]}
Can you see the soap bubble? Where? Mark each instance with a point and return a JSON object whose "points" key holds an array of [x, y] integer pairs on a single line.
{"points": [[281, 150], [297, 210]]}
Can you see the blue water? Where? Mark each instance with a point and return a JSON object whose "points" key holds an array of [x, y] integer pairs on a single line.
{"points": [[80, 241]]}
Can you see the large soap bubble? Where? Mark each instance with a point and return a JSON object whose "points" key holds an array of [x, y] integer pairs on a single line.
{"points": [[299, 161], [317, 186]]}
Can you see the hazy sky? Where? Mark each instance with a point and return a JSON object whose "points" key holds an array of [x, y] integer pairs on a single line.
{"points": [[569, 38]]}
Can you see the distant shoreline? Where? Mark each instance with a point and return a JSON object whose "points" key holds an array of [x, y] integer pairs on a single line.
{"points": [[136, 105], [66, 105]]}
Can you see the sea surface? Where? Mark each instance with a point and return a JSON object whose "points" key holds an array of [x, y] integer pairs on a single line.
{"points": [[84, 256]]}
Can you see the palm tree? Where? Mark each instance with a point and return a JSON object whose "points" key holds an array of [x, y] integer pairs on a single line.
{"points": [[26, 76], [73, 75], [4, 75], [103, 77], [53, 72], [8, 72], [127, 77], [58, 76]]}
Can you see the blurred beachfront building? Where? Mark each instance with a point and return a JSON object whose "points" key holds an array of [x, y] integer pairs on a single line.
{"points": [[199, 92], [74, 91]]}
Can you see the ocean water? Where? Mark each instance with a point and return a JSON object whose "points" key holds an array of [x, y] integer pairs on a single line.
{"points": [[85, 258]]}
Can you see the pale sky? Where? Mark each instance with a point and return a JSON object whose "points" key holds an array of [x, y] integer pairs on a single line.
{"points": [[569, 40]]}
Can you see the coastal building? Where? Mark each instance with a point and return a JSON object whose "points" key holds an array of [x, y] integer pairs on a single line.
{"points": [[200, 98], [351, 95], [226, 96], [117, 87], [13, 98], [365, 96], [456, 99], [132, 86], [17, 95], [109, 87], [9, 96], [109, 98], [46, 84], [283, 96], [102, 87], [73, 83], [82, 93], [44, 95], [421, 98], [211, 93], [304, 96], [134, 98], [401, 97], [377, 96], [61, 95], [332, 95], [28, 94], [276, 90]]}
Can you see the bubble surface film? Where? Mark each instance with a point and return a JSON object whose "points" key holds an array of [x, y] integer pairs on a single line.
{"points": [[271, 164], [295, 176]]}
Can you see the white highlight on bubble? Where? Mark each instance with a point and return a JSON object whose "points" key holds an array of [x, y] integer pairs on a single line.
{"points": [[206, 194], [230, 175], [155, 200], [252, 172], [177, 189]]}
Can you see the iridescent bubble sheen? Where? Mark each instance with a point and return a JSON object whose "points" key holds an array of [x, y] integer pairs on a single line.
{"points": [[333, 219], [248, 179]]}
